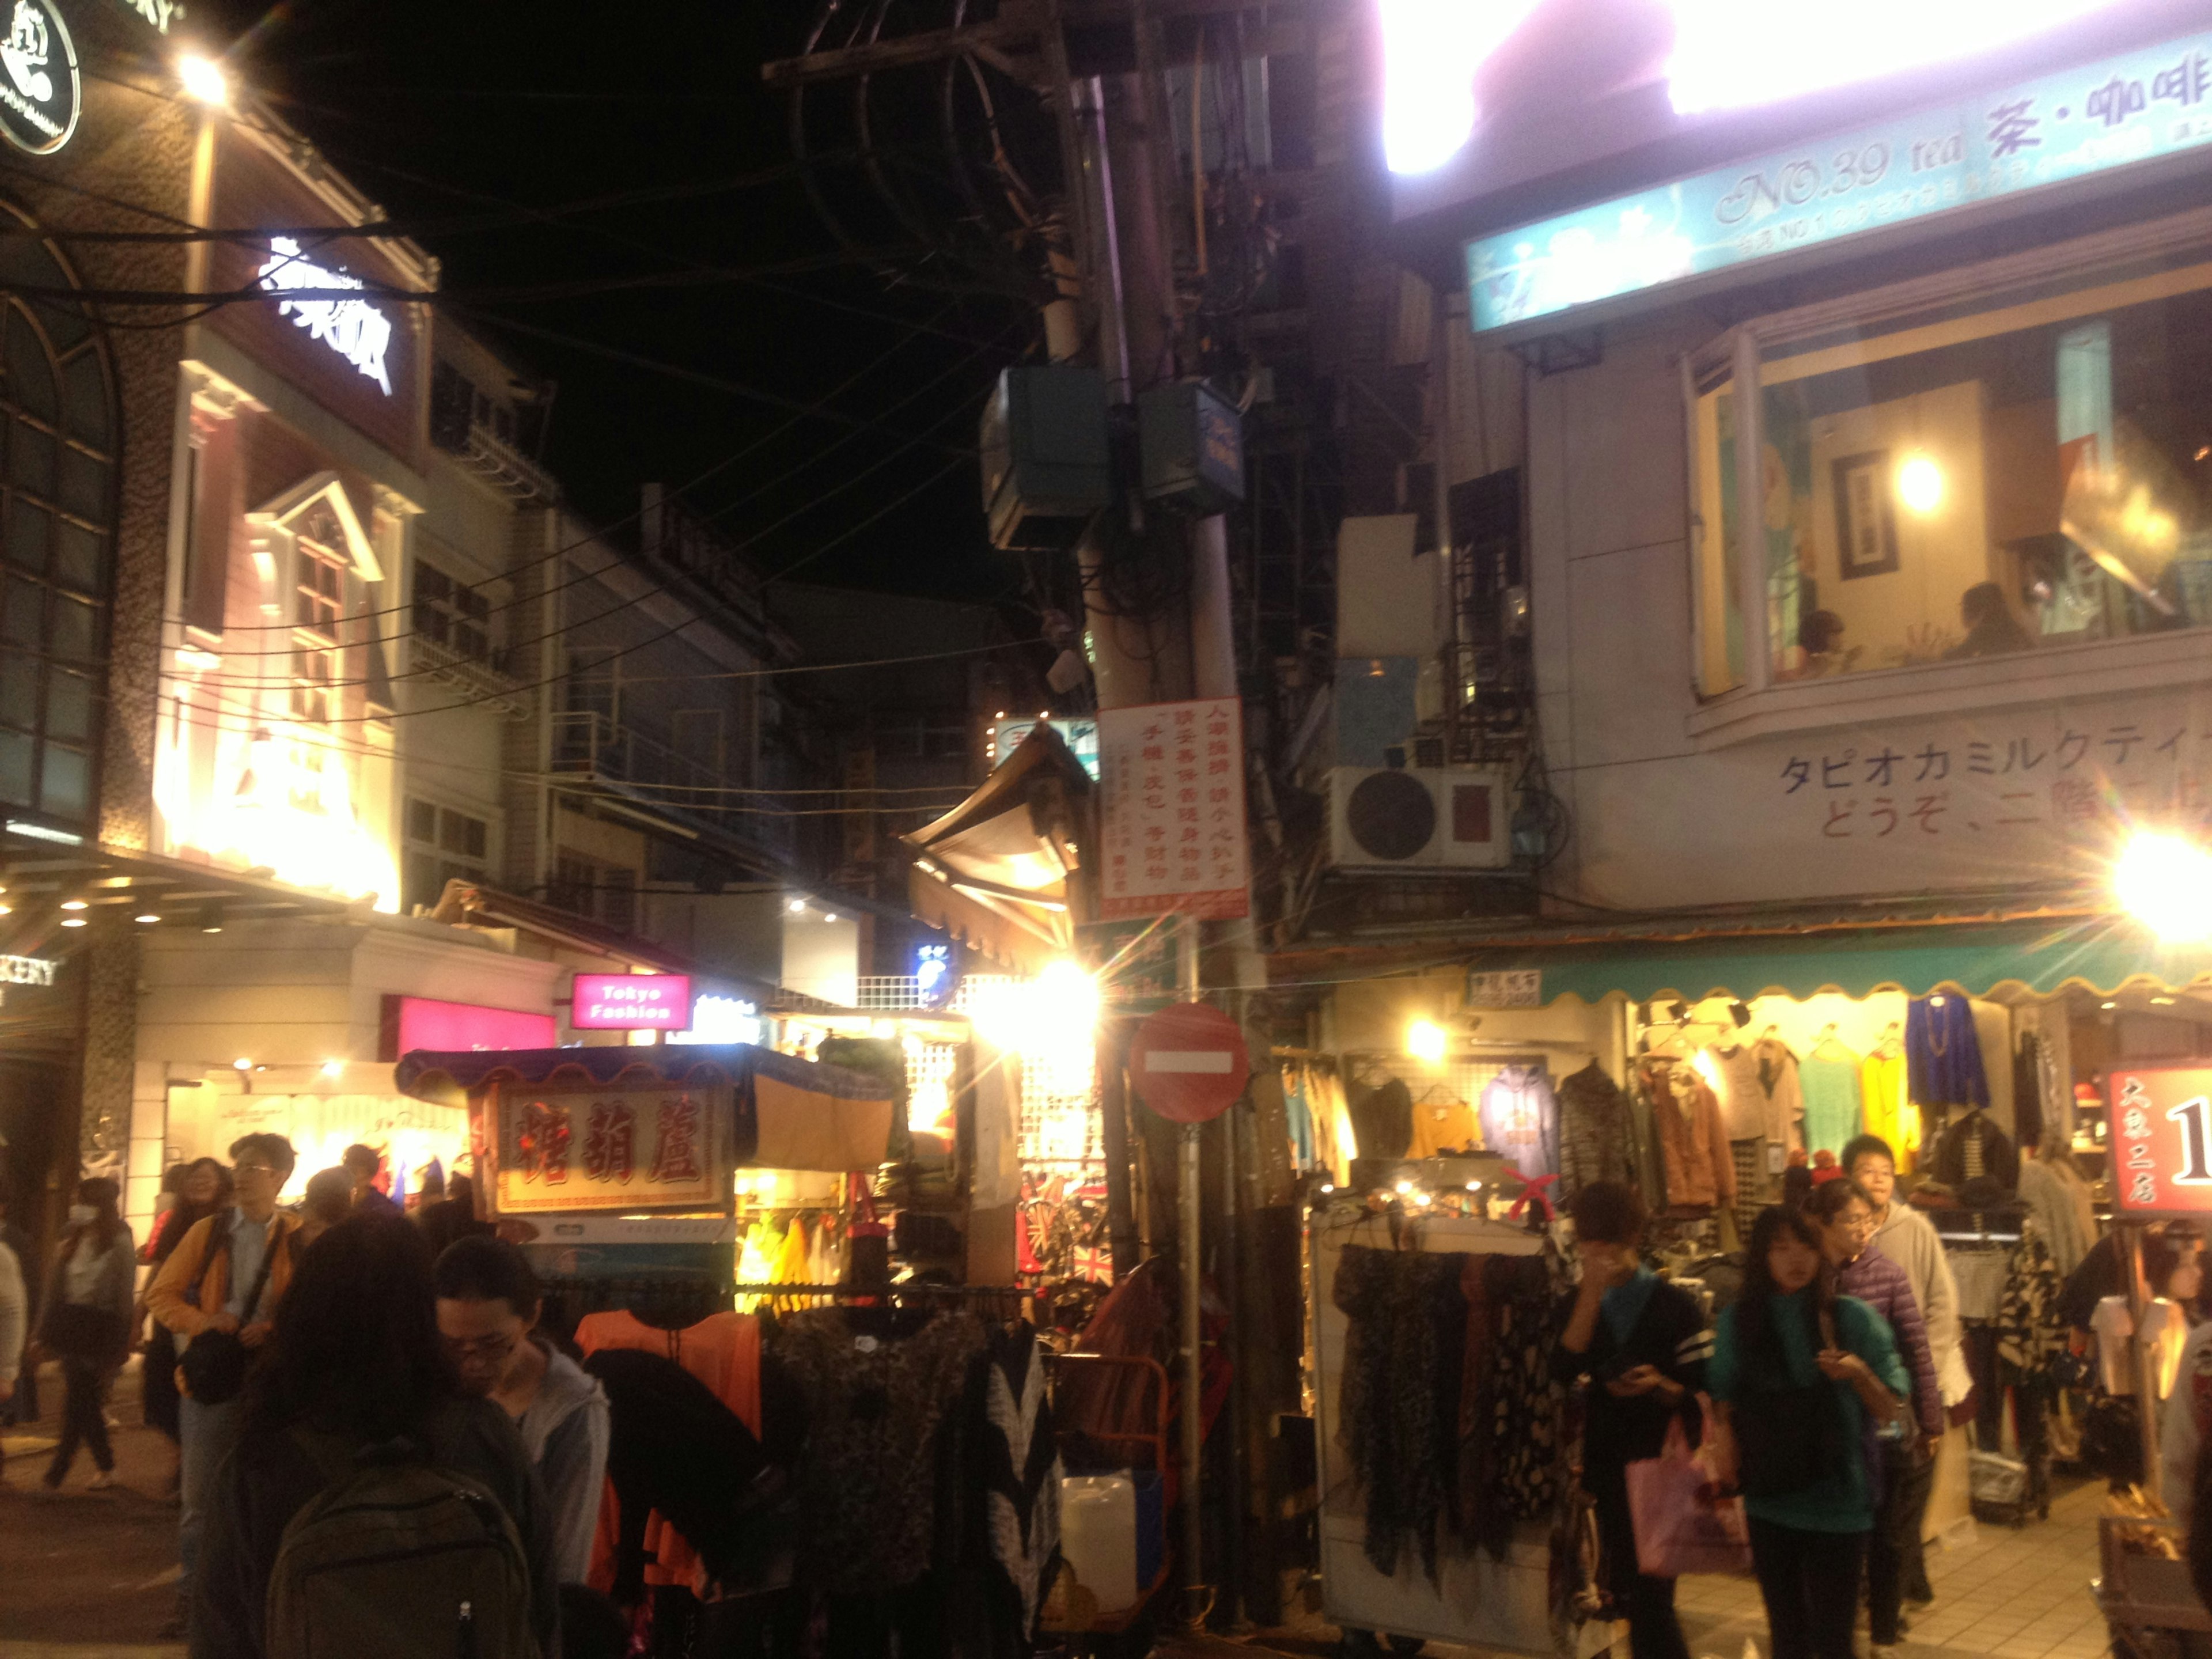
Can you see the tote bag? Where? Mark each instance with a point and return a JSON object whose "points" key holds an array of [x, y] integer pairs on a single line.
{"points": [[1683, 1524]]}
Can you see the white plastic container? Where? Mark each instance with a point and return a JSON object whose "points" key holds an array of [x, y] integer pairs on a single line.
{"points": [[1098, 1536]]}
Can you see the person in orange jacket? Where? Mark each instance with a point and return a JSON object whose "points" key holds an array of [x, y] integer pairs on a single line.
{"points": [[226, 1274]]}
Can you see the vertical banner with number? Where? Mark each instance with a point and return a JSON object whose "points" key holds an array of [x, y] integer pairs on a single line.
{"points": [[1172, 775], [2161, 1141]]}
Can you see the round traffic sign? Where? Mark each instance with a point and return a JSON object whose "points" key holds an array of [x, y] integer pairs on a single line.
{"points": [[1188, 1063]]}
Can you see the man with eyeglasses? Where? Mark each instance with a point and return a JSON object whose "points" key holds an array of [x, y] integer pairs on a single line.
{"points": [[488, 1305], [1846, 1216], [226, 1274]]}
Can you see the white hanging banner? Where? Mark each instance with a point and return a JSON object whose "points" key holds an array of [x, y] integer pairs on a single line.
{"points": [[1172, 776]]}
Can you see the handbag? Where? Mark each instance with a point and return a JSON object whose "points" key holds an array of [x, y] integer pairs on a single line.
{"points": [[214, 1362], [1683, 1523]]}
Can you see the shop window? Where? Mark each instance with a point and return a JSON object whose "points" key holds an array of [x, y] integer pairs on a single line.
{"points": [[56, 485], [441, 845], [449, 612], [1950, 485]]}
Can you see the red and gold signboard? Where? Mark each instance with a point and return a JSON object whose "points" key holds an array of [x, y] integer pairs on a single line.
{"points": [[2161, 1141], [581, 1147]]}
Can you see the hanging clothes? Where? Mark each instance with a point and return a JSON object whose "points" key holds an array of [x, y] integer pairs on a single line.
{"points": [[1974, 1147], [1783, 1092], [1829, 1079], [1525, 1398], [1520, 1119], [873, 1406], [1597, 1136], [1884, 1110], [1297, 1116], [723, 1352], [1944, 1053], [2027, 1092], [1383, 1119], [1404, 1345], [1733, 1073], [1752, 1183], [1020, 1467], [2050, 1202], [1692, 1139], [1333, 1140], [1442, 1126], [2030, 1334]]}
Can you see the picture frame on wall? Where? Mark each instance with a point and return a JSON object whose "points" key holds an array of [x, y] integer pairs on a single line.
{"points": [[1866, 515]]}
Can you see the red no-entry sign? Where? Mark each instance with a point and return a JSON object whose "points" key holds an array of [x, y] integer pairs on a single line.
{"points": [[1188, 1063]]}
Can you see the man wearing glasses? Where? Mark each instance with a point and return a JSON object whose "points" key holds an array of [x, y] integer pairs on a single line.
{"points": [[488, 1307], [226, 1275]]}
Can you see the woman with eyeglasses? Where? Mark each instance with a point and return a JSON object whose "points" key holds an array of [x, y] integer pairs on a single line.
{"points": [[1798, 1374], [1909, 1442]]}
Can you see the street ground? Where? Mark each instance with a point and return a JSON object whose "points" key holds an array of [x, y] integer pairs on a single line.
{"points": [[87, 1575]]}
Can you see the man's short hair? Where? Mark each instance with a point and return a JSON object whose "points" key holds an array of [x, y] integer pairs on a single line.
{"points": [[330, 1196], [365, 1159], [274, 1149], [482, 1268], [1860, 1145], [1608, 1212]]}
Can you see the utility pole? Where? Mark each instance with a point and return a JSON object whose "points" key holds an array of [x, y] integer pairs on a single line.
{"points": [[1118, 166]]}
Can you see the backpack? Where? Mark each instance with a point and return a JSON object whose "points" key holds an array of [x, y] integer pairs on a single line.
{"points": [[397, 1558]]}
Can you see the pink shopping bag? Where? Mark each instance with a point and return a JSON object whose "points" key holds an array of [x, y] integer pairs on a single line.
{"points": [[1683, 1523]]}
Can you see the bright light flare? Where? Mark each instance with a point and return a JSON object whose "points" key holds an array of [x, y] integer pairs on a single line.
{"points": [[1729, 54], [1920, 485], [1431, 52], [2165, 882], [1427, 1042], [203, 81]]}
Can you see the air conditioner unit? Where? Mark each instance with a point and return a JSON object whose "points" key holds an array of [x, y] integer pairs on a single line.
{"points": [[1420, 818]]}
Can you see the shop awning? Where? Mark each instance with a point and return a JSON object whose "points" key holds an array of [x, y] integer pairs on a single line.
{"points": [[791, 1114], [2100, 953], [999, 871]]}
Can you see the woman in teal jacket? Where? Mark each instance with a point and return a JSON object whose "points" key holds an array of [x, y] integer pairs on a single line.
{"points": [[1801, 1375]]}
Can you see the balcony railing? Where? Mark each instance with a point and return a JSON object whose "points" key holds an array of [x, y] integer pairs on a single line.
{"points": [[586, 740]]}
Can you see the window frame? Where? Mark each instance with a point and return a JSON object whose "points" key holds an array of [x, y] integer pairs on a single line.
{"points": [[2170, 257]]}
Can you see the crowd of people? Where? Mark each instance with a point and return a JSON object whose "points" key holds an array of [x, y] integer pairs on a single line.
{"points": [[338, 1371], [1821, 1395]]}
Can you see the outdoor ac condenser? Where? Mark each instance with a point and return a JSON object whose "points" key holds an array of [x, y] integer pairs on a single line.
{"points": [[1420, 818]]}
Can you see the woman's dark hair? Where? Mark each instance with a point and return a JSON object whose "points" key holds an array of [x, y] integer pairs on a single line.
{"points": [[1608, 1212], [355, 1351], [2165, 1249], [482, 1268], [1828, 1200], [101, 1194], [187, 1215], [172, 1178], [1759, 1290]]}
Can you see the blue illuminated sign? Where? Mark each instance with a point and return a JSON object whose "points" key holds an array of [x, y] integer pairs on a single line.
{"points": [[2139, 107], [933, 975]]}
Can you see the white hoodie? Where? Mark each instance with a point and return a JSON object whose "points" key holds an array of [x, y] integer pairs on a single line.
{"points": [[1908, 1238]]}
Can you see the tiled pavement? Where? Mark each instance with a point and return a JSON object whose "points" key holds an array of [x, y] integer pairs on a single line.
{"points": [[2009, 1594]]}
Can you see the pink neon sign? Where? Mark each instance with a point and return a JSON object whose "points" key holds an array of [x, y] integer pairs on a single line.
{"points": [[631, 1002], [412, 1023]]}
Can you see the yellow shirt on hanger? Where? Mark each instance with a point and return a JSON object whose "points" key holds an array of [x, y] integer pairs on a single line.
{"points": [[1442, 1126], [1883, 1109]]}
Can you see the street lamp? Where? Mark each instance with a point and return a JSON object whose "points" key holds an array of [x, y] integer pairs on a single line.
{"points": [[203, 81], [2165, 882]]}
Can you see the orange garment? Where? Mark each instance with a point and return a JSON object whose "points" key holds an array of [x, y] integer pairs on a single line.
{"points": [[723, 1352]]}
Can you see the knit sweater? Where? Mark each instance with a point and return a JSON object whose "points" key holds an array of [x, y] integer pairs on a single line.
{"points": [[1884, 1287]]}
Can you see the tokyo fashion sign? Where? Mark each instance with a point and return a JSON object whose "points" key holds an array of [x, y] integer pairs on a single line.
{"points": [[2139, 106], [41, 93], [631, 1002], [2161, 1141], [610, 1147], [355, 329]]}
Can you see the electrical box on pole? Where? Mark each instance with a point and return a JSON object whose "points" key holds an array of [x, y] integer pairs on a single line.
{"points": [[1048, 464], [1190, 440]]}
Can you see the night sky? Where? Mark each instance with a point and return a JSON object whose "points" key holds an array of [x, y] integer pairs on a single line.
{"points": [[445, 109]]}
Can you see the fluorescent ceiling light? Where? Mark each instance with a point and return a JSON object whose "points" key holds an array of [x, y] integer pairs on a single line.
{"points": [[1431, 52], [1729, 54]]}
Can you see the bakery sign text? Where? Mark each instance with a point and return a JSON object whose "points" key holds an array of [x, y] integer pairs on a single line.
{"points": [[355, 329]]}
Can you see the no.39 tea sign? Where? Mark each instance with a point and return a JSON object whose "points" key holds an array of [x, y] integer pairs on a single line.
{"points": [[2161, 1141]]}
